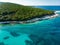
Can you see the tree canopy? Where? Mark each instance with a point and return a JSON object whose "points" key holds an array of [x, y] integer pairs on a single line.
{"points": [[16, 12]]}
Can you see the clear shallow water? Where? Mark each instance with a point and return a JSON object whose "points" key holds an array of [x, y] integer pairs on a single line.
{"points": [[46, 32]]}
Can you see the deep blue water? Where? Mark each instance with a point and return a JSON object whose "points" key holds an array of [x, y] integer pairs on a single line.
{"points": [[45, 32], [49, 7]]}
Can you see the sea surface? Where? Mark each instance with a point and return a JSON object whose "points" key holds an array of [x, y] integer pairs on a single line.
{"points": [[45, 32], [55, 8]]}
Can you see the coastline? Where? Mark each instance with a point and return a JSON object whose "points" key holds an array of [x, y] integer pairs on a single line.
{"points": [[30, 21]]}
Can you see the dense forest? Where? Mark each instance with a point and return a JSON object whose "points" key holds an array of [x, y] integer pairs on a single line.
{"points": [[16, 12]]}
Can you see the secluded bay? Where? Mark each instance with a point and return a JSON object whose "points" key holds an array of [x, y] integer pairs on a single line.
{"points": [[45, 32]]}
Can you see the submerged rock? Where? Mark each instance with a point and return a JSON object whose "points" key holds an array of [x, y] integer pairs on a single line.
{"points": [[48, 42], [29, 42], [36, 39], [14, 34], [53, 33], [2, 43], [44, 41], [7, 37], [56, 42]]}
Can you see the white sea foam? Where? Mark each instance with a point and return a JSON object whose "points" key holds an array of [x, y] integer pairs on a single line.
{"points": [[56, 12]]}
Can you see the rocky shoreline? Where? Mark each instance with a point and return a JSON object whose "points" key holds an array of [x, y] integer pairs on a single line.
{"points": [[30, 21]]}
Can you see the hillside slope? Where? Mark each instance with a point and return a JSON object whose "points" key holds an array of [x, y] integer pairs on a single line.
{"points": [[16, 12]]}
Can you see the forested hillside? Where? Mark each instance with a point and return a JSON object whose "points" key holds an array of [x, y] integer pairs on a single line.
{"points": [[16, 12]]}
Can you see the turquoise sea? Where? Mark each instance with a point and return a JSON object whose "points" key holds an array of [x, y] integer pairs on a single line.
{"points": [[45, 32]]}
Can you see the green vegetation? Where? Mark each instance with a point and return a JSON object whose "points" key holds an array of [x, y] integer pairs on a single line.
{"points": [[15, 12]]}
